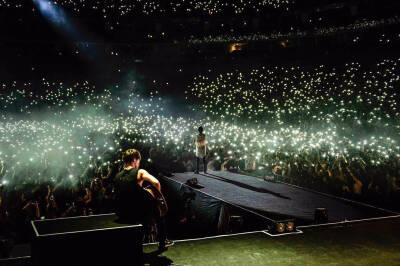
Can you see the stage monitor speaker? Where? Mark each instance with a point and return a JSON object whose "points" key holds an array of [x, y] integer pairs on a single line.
{"points": [[86, 240], [320, 216], [236, 223]]}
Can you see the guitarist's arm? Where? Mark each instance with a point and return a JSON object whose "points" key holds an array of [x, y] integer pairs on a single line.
{"points": [[143, 175]]}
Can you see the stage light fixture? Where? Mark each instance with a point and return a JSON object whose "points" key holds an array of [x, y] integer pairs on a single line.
{"points": [[289, 226], [281, 227]]}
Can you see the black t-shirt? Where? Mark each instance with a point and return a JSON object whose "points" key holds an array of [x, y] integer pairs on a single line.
{"points": [[132, 201]]}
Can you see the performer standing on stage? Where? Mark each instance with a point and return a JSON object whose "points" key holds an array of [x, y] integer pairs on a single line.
{"points": [[133, 203], [201, 149]]}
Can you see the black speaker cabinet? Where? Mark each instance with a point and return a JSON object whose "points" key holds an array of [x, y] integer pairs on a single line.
{"points": [[86, 240], [320, 216]]}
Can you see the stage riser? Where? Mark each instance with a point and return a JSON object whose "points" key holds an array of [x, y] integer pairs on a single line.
{"points": [[103, 246]]}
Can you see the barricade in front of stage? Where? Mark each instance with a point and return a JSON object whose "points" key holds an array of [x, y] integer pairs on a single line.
{"points": [[86, 240]]}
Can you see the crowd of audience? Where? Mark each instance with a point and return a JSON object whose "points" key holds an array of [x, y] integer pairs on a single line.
{"points": [[128, 7], [334, 129], [354, 28], [197, 21]]}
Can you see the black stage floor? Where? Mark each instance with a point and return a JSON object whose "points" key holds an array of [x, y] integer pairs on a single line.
{"points": [[276, 198]]}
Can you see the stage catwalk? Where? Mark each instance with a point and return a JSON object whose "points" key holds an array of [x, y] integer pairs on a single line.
{"points": [[274, 199]]}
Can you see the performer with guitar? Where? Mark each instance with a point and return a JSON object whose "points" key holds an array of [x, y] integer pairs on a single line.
{"points": [[136, 204]]}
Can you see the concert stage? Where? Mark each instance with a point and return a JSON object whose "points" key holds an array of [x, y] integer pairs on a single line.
{"points": [[370, 241], [272, 200]]}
